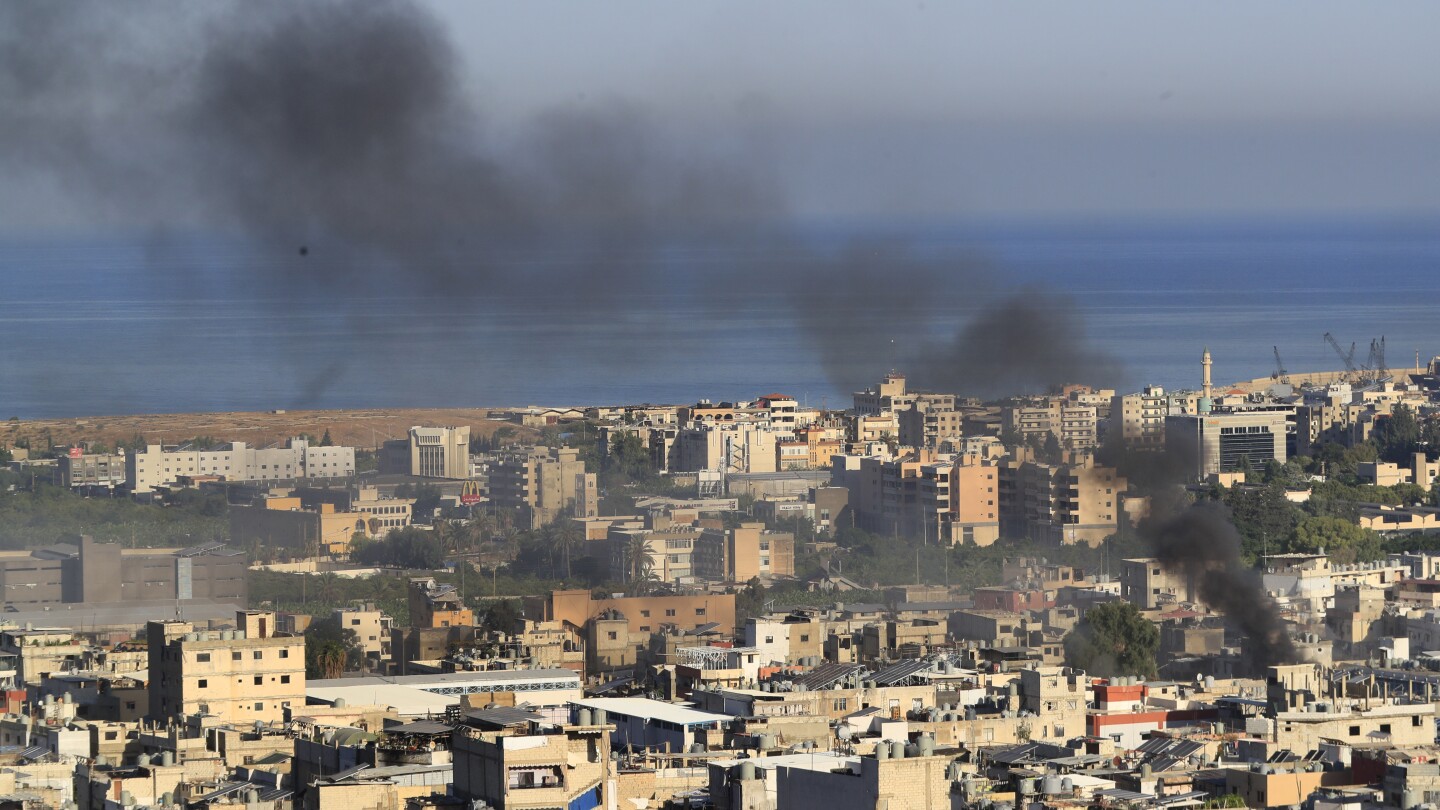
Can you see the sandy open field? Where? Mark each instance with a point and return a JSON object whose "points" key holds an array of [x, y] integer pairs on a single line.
{"points": [[364, 428]]}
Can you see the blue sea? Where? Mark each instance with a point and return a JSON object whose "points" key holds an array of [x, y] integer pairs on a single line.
{"points": [[124, 325]]}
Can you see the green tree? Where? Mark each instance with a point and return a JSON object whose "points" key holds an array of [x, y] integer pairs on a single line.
{"points": [[1397, 436], [1344, 541], [327, 647], [1113, 639], [326, 441]]}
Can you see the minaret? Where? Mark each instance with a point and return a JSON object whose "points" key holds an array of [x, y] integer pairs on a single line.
{"points": [[1205, 381]]}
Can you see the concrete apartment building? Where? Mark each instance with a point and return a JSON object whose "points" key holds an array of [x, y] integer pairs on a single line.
{"points": [[84, 571], [742, 553], [318, 521], [562, 766], [929, 421], [1075, 426], [974, 501], [1139, 419], [429, 452], [671, 551], [730, 448], [889, 396], [911, 495], [1075, 502], [157, 466], [435, 605], [371, 628], [240, 676], [1222, 441], [540, 482], [90, 471], [641, 614], [1147, 584]]}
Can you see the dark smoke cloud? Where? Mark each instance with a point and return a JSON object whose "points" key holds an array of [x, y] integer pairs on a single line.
{"points": [[1027, 342], [1199, 541], [344, 127]]}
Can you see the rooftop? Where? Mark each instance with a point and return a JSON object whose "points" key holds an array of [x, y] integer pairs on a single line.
{"points": [[647, 709]]}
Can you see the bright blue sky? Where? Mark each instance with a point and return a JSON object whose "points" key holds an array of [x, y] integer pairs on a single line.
{"points": [[938, 109]]}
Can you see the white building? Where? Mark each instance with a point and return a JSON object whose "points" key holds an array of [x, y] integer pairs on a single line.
{"points": [[156, 466]]}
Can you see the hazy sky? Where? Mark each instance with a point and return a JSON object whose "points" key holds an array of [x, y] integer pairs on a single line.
{"points": [[950, 112], [934, 109]]}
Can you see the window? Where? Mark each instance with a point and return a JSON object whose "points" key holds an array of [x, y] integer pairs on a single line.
{"points": [[804, 637], [235, 656], [644, 614], [203, 683], [1384, 728], [259, 654], [203, 658], [670, 611], [284, 653], [259, 707], [644, 628], [354, 622], [1354, 731], [699, 611], [284, 678], [612, 635]]}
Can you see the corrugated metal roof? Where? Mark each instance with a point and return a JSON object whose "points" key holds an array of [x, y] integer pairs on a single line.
{"points": [[827, 675], [895, 674], [504, 716]]}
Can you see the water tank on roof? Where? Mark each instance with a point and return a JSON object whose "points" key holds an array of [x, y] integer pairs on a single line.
{"points": [[1050, 785], [882, 750], [167, 758], [584, 717], [897, 750], [746, 771], [927, 745], [601, 718]]}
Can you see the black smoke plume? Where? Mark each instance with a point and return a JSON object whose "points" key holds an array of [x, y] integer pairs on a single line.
{"points": [[1198, 541], [341, 135]]}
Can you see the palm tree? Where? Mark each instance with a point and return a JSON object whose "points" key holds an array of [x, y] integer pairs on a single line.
{"points": [[327, 587], [641, 564]]}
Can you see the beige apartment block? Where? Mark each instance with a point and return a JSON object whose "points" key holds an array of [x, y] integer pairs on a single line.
{"points": [[370, 626], [743, 553], [432, 452], [567, 766], [1139, 419], [541, 482], [240, 676], [974, 502]]}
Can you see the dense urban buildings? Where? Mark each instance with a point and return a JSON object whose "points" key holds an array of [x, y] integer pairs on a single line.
{"points": [[922, 601]]}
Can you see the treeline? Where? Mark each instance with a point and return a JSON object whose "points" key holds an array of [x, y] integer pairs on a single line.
{"points": [[35, 513]]}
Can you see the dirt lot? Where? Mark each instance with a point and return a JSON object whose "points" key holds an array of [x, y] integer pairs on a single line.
{"points": [[358, 428]]}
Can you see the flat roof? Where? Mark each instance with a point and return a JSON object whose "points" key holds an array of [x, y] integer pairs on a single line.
{"points": [[818, 761], [455, 678], [648, 709], [407, 700]]}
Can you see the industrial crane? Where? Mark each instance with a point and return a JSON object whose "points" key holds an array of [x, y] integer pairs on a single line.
{"points": [[1351, 373], [1280, 374]]}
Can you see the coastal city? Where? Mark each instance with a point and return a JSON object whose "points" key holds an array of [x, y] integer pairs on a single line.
{"points": [[1225, 596]]}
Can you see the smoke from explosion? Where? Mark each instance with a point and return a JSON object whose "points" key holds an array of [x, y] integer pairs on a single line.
{"points": [[1199, 541], [342, 132], [339, 133]]}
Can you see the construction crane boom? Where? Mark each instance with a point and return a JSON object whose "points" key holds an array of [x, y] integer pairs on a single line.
{"points": [[1280, 373], [1347, 359]]}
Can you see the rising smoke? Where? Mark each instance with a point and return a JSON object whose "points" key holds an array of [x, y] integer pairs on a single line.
{"points": [[340, 134], [1199, 541]]}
